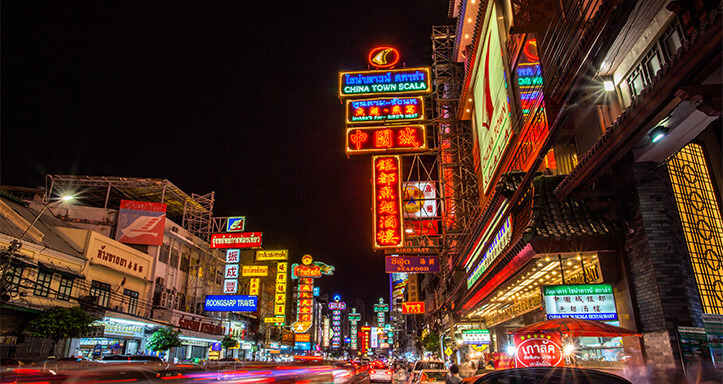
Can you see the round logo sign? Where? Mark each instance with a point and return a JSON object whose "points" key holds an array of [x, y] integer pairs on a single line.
{"points": [[538, 352], [383, 57], [306, 259]]}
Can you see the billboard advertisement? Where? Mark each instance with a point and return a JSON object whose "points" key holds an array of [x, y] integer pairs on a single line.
{"points": [[492, 108], [236, 240], [282, 254], [386, 173], [405, 81], [230, 303], [384, 139], [413, 307], [419, 199], [476, 336], [385, 109], [141, 222]]}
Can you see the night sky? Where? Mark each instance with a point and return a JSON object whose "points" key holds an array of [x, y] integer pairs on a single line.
{"points": [[236, 97]]}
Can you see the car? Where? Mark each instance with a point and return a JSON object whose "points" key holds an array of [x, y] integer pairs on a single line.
{"points": [[428, 376], [548, 375], [421, 365], [380, 373]]}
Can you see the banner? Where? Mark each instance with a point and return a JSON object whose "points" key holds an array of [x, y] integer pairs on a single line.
{"points": [[141, 222]]}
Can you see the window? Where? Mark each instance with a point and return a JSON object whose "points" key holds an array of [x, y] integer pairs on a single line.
{"points": [[174, 258], [219, 276], [163, 254], [42, 284], [184, 262], [14, 275], [65, 288], [660, 53], [101, 291], [131, 297]]}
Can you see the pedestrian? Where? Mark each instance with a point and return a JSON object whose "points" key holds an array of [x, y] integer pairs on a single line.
{"points": [[401, 376], [467, 369], [453, 375]]}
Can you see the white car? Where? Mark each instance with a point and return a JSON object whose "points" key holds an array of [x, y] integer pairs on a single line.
{"points": [[379, 373]]}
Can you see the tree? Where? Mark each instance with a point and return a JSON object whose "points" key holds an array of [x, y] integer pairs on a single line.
{"points": [[430, 342], [61, 323], [164, 339], [229, 342]]}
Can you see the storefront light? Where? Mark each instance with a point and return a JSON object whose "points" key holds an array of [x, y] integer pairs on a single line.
{"points": [[128, 322], [568, 349], [511, 350]]}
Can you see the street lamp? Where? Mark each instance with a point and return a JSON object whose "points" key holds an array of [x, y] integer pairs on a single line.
{"points": [[17, 243]]}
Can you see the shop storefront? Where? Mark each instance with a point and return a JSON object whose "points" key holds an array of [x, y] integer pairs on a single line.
{"points": [[114, 336], [544, 244]]}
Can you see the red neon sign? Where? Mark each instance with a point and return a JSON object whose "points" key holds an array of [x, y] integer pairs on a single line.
{"points": [[413, 307], [236, 240], [383, 57], [402, 138], [386, 171]]}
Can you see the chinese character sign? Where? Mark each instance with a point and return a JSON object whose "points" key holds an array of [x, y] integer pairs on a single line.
{"points": [[386, 173], [402, 138], [589, 302], [385, 109], [280, 293]]}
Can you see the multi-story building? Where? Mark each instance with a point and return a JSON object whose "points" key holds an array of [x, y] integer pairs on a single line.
{"points": [[597, 135], [133, 286]]}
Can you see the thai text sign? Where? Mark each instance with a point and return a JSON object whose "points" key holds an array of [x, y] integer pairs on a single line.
{"points": [[302, 337], [589, 302], [539, 349], [402, 138], [413, 307], [236, 240], [385, 109], [412, 264], [141, 222], [281, 254], [230, 303], [255, 270], [386, 171], [393, 81], [109, 253], [111, 328], [499, 243], [476, 336]]}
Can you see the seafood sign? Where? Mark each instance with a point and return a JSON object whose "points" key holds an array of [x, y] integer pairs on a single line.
{"points": [[413, 264], [538, 349]]}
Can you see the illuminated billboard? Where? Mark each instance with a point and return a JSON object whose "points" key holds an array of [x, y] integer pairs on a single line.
{"points": [[230, 303], [386, 173], [392, 81], [282, 254], [370, 140], [492, 109], [385, 109], [420, 199], [236, 240], [141, 222]]}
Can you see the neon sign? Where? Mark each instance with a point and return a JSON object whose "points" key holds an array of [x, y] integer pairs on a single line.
{"points": [[393, 81], [413, 307], [403, 138], [236, 240], [386, 171], [500, 242], [385, 109], [383, 57]]}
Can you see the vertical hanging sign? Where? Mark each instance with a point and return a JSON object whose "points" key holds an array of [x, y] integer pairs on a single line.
{"points": [[231, 275], [280, 293], [386, 172]]}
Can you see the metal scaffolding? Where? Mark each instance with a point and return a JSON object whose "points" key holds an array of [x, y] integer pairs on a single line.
{"points": [[457, 179]]}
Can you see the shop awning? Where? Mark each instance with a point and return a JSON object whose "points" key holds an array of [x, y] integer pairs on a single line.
{"points": [[572, 327], [541, 224], [61, 269]]}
